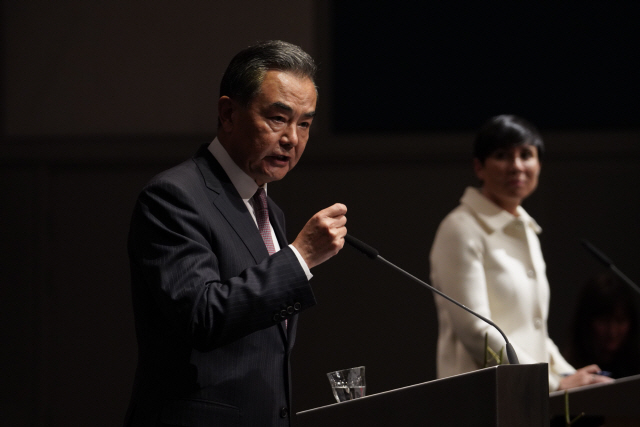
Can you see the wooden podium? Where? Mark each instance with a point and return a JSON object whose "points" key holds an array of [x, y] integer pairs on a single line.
{"points": [[507, 395], [616, 404]]}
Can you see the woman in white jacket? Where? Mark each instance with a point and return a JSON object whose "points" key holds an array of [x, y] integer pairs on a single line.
{"points": [[486, 254]]}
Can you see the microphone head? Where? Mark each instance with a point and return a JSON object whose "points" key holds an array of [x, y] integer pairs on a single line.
{"points": [[361, 246], [511, 355]]}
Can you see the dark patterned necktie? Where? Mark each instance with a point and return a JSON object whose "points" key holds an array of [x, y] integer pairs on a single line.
{"points": [[262, 217]]}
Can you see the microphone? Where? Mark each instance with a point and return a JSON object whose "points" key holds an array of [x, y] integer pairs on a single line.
{"points": [[608, 263], [373, 254]]}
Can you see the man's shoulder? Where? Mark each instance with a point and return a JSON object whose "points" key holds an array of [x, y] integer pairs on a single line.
{"points": [[189, 171]]}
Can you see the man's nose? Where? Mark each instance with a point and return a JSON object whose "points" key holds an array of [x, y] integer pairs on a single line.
{"points": [[290, 136]]}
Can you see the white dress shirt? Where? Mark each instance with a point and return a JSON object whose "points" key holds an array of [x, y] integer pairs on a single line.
{"points": [[247, 187], [491, 261]]}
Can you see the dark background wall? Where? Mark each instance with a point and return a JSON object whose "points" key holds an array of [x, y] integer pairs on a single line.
{"points": [[96, 99], [450, 64]]}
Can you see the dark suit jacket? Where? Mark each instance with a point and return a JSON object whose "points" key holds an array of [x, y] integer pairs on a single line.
{"points": [[209, 304]]}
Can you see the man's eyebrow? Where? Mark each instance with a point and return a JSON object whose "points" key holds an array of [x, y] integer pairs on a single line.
{"points": [[288, 109], [282, 106]]}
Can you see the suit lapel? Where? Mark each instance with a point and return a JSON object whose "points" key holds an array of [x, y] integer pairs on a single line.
{"points": [[230, 204]]}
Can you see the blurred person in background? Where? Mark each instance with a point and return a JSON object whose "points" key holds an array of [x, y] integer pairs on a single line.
{"points": [[486, 254], [605, 327]]}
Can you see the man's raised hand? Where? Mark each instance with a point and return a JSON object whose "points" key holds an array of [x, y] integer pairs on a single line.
{"points": [[323, 235]]}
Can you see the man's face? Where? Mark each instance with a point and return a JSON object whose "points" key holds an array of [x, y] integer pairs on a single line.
{"points": [[267, 138]]}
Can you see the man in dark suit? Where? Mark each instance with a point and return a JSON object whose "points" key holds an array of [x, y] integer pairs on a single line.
{"points": [[216, 289]]}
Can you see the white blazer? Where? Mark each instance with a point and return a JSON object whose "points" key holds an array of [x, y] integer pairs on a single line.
{"points": [[490, 261]]}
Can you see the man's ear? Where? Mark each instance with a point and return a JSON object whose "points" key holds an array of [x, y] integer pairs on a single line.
{"points": [[225, 113]]}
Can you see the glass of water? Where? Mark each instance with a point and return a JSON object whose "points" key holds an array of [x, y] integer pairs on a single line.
{"points": [[348, 384]]}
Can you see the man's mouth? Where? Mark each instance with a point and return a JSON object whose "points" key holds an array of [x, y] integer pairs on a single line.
{"points": [[280, 157]]}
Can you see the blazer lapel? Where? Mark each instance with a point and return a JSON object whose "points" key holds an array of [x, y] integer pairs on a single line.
{"points": [[230, 204]]}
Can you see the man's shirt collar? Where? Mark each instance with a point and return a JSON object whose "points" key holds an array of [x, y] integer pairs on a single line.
{"points": [[244, 184]]}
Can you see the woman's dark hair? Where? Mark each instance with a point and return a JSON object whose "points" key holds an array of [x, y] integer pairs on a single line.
{"points": [[604, 296], [505, 131], [244, 75]]}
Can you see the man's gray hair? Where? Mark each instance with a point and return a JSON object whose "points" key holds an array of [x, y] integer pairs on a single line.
{"points": [[244, 75]]}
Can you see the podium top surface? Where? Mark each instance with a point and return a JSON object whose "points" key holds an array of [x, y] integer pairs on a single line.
{"points": [[497, 396], [616, 399]]}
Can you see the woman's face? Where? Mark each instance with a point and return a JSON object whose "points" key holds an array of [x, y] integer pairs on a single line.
{"points": [[611, 331], [509, 175]]}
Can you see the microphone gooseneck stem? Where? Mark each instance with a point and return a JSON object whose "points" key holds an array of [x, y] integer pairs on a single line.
{"points": [[622, 276], [373, 254], [607, 262], [511, 354]]}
